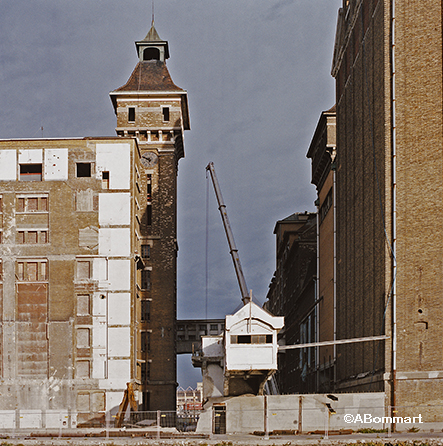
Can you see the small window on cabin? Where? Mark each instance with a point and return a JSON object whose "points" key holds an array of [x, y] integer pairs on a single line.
{"points": [[151, 54], [31, 172], [83, 170], [165, 111], [131, 114]]}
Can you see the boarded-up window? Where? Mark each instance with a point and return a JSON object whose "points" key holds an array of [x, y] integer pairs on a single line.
{"points": [[83, 338], [32, 203], [32, 272], [32, 237], [83, 305], [83, 269], [84, 201], [82, 369], [83, 402]]}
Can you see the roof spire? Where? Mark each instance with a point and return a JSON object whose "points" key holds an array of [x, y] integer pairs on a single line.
{"points": [[152, 21]]}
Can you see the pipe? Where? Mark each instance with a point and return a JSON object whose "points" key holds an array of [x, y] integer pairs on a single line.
{"points": [[394, 210]]}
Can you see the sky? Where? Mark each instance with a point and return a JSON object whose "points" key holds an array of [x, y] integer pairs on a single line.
{"points": [[257, 73]]}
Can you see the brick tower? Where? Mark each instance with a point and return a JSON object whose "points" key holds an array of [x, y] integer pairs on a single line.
{"points": [[153, 109]]}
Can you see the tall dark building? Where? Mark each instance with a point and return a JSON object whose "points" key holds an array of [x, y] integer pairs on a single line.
{"points": [[153, 109]]}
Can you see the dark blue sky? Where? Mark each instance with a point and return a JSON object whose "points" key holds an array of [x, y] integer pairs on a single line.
{"points": [[257, 74]]}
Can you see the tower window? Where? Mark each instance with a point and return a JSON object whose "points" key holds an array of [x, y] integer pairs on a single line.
{"points": [[165, 111], [83, 170], [131, 114], [151, 54]]}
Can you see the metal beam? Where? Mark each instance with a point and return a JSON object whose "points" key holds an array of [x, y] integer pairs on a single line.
{"points": [[338, 341]]}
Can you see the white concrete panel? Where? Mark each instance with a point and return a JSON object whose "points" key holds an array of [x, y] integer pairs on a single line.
{"points": [[56, 164], [98, 363], [115, 159], [57, 419], [114, 242], [100, 269], [114, 209], [30, 419], [119, 341], [8, 165], [99, 332], [113, 400], [99, 304], [30, 156], [119, 373], [7, 419], [119, 309], [119, 275]]}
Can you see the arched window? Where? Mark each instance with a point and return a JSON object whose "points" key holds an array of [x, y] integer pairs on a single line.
{"points": [[151, 54]]}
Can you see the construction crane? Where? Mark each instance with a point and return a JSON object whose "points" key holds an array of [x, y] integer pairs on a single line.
{"points": [[230, 236]]}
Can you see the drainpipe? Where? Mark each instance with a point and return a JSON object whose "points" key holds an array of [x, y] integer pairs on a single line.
{"points": [[394, 212], [317, 299], [334, 204]]}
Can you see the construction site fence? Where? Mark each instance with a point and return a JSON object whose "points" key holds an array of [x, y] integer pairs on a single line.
{"points": [[21, 419]]}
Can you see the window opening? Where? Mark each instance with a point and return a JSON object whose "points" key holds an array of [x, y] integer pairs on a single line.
{"points": [[145, 341], [31, 172], [131, 114], [146, 279], [165, 111], [146, 251], [146, 310], [83, 170], [151, 54], [105, 180]]}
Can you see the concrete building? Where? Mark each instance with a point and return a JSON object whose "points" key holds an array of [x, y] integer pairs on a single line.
{"points": [[322, 152], [88, 258], [292, 294], [388, 70]]}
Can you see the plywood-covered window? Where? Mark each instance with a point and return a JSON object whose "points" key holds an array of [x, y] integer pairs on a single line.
{"points": [[84, 269], [83, 305], [83, 338]]}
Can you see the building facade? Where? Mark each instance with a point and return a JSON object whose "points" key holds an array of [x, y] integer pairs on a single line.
{"points": [[68, 233], [322, 152], [388, 71], [292, 294], [88, 248], [153, 109]]}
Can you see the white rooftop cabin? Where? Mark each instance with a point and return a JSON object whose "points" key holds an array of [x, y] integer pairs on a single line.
{"points": [[245, 357]]}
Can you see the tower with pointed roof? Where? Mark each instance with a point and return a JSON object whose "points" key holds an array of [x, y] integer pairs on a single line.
{"points": [[153, 109]]}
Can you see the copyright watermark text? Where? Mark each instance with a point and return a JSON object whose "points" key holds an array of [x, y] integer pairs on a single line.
{"points": [[367, 418]]}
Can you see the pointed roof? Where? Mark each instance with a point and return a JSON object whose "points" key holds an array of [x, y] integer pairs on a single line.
{"points": [[150, 75], [152, 35]]}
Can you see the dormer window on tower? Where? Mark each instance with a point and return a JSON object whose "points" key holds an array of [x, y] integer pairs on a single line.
{"points": [[152, 48]]}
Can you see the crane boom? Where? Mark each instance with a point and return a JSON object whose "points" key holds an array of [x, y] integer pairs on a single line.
{"points": [[230, 236]]}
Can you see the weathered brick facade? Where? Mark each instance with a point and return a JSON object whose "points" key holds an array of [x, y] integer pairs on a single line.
{"points": [[88, 257], [150, 107], [388, 68]]}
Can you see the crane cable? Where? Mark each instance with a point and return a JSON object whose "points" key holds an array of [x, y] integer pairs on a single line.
{"points": [[207, 247]]}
